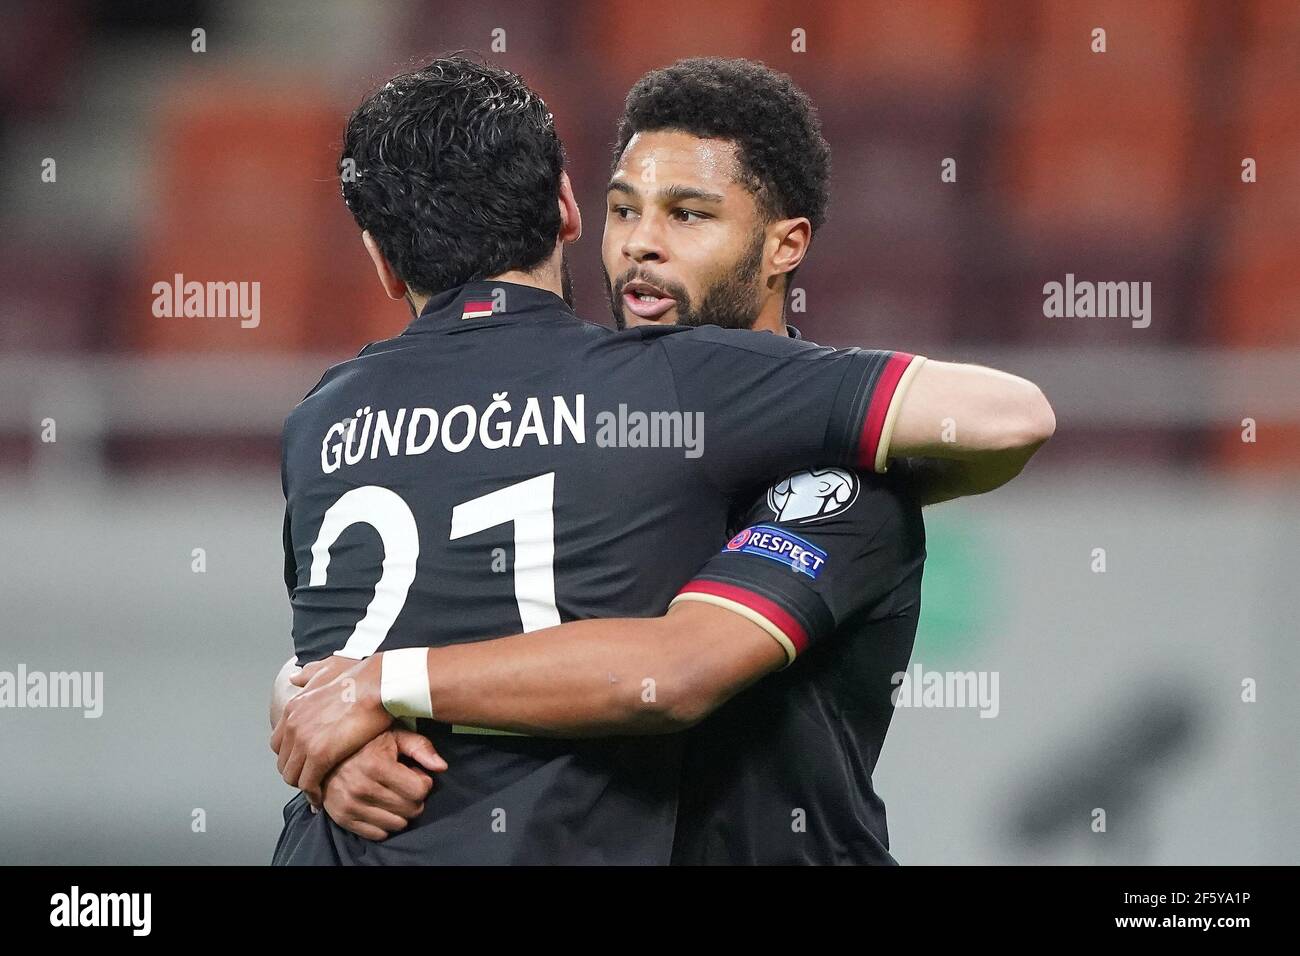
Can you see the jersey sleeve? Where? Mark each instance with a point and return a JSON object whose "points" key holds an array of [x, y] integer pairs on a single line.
{"points": [[771, 404], [820, 547]]}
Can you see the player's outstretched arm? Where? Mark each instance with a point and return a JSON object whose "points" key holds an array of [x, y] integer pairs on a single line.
{"points": [[969, 413], [581, 679], [977, 426], [590, 678]]}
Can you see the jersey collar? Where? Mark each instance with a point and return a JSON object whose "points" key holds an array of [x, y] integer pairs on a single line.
{"points": [[485, 301]]}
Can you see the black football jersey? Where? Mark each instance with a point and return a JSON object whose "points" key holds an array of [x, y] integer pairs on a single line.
{"points": [[829, 561], [504, 466]]}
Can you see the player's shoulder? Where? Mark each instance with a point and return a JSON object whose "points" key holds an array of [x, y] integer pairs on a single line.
{"points": [[563, 334], [343, 375], [711, 338], [589, 330], [340, 371], [643, 340]]}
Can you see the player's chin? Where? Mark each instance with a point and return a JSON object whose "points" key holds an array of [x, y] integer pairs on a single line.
{"points": [[635, 321]]}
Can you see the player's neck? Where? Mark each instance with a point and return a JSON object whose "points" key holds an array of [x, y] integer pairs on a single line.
{"points": [[771, 317], [549, 276], [546, 278]]}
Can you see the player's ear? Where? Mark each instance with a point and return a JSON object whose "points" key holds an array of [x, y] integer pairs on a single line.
{"points": [[791, 238], [394, 286], [570, 217]]}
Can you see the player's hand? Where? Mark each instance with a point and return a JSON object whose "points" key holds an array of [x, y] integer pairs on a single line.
{"points": [[322, 672], [373, 794], [323, 725]]}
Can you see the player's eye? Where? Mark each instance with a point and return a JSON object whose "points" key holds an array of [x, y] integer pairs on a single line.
{"points": [[623, 212], [685, 216]]}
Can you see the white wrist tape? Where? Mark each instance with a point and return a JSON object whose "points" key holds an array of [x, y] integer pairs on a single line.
{"points": [[404, 682]]}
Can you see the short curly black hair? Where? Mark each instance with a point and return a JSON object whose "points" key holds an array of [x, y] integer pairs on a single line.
{"points": [[785, 160], [454, 169]]}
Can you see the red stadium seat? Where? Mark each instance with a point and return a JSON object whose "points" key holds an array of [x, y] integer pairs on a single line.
{"points": [[1257, 297], [244, 175], [910, 45]]}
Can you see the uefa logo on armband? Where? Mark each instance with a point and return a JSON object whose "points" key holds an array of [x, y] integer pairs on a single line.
{"points": [[738, 542]]}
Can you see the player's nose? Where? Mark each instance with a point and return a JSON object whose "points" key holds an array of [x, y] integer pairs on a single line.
{"points": [[643, 244]]}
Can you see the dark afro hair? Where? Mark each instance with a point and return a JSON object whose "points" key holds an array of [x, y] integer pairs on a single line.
{"points": [[784, 159], [454, 169]]}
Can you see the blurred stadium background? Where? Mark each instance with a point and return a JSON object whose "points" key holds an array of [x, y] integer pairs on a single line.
{"points": [[1120, 690]]}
